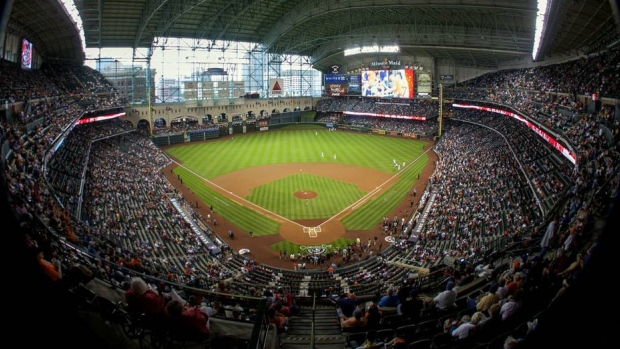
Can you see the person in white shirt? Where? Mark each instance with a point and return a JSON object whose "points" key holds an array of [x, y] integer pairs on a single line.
{"points": [[568, 242], [443, 300], [545, 242], [467, 326]]}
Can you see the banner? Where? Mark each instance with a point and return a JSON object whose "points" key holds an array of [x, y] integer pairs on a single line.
{"points": [[335, 79], [276, 86]]}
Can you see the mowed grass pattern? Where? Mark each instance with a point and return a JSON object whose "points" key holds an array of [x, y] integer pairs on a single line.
{"points": [[211, 159], [372, 212], [278, 196], [242, 216], [214, 158]]}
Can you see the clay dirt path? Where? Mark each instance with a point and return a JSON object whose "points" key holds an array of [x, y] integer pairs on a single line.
{"points": [[238, 184]]}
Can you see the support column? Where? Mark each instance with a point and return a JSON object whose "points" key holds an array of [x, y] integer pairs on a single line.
{"points": [[4, 21]]}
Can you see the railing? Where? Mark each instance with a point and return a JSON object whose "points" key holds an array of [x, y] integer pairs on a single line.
{"points": [[312, 339]]}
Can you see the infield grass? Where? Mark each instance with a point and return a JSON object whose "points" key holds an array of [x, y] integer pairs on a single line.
{"points": [[208, 160], [332, 196]]}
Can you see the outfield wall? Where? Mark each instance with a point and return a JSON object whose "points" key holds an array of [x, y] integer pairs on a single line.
{"points": [[272, 123]]}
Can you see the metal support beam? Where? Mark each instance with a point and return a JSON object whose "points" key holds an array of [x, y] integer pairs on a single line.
{"points": [[4, 20], [320, 8], [615, 8], [151, 7]]}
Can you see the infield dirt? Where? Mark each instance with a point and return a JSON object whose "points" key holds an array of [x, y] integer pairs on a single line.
{"points": [[239, 184]]}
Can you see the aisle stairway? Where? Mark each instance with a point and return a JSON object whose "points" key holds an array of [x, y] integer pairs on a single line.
{"points": [[327, 333]]}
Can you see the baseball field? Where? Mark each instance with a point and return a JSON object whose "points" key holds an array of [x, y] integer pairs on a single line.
{"points": [[299, 186]]}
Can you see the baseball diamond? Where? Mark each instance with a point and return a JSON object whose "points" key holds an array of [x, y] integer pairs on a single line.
{"points": [[258, 186]]}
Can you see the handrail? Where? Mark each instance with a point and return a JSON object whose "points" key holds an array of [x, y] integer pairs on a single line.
{"points": [[312, 334]]}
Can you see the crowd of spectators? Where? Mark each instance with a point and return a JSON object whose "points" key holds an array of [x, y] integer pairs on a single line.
{"points": [[81, 180], [183, 124], [421, 108], [597, 73], [52, 80], [495, 179], [392, 125], [549, 95]]}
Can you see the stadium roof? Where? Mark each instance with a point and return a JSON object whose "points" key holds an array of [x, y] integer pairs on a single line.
{"points": [[480, 33]]}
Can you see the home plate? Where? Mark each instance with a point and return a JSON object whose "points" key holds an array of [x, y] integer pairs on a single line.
{"points": [[312, 231]]}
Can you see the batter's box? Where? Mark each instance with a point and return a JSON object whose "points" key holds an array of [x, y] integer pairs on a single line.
{"points": [[312, 231]]}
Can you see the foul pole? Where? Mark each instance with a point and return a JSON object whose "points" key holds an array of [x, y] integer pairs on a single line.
{"points": [[440, 108]]}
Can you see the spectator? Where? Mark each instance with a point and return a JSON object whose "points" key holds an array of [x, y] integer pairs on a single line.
{"points": [[389, 300], [488, 300], [502, 291], [187, 323], [277, 318], [411, 307], [52, 269], [357, 321], [443, 300], [517, 283], [370, 342], [287, 301], [488, 327], [467, 326], [141, 299], [511, 307], [547, 239], [346, 304], [373, 316], [397, 342], [211, 310]]}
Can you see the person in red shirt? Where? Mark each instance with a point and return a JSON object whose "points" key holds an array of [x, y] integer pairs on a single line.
{"points": [[143, 301], [187, 322], [515, 284], [277, 318], [135, 263], [52, 269]]}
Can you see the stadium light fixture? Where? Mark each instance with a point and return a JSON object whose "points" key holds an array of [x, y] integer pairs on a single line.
{"points": [[541, 22]]}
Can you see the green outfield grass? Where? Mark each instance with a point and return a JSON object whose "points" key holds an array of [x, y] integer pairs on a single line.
{"points": [[214, 158], [298, 144], [243, 217], [373, 211]]}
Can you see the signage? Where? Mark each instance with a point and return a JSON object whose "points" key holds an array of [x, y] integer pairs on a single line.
{"points": [[334, 79], [385, 63], [372, 49], [335, 90], [276, 87]]}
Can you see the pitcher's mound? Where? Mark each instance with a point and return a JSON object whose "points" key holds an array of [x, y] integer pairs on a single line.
{"points": [[305, 194]]}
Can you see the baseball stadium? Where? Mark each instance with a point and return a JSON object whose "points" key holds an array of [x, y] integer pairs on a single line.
{"points": [[310, 174]]}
